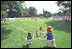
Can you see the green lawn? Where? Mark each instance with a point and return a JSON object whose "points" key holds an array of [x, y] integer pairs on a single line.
{"points": [[13, 33]]}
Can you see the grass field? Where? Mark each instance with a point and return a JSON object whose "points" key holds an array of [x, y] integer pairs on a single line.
{"points": [[13, 33]]}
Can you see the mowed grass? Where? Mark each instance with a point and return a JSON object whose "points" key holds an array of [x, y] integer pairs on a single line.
{"points": [[14, 32]]}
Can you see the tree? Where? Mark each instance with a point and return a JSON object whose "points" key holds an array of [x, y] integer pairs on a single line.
{"points": [[60, 13], [18, 9], [32, 11], [4, 6], [47, 14], [14, 8], [4, 14], [65, 7], [65, 4], [40, 15], [26, 12]]}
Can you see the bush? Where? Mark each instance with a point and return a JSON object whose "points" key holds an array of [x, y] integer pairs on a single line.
{"points": [[4, 14]]}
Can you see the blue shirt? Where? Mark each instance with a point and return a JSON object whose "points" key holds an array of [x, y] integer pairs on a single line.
{"points": [[29, 37], [49, 36]]}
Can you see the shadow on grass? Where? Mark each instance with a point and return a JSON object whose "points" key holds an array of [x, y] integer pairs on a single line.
{"points": [[25, 46], [4, 33], [47, 47], [4, 23], [60, 25]]}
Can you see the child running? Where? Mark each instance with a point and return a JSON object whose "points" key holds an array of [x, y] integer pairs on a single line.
{"points": [[50, 38], [29, 37], [39, 32]]}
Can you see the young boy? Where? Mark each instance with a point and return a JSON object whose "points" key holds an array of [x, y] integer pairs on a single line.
{"points": [[39, 32], [29, 37], [50, 37]]}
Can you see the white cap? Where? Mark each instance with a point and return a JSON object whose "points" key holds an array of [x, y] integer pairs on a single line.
{"points": [[49, 26]]}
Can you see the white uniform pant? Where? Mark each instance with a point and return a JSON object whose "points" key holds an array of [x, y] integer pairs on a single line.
{"points": [[51, 43], [29, 41]]}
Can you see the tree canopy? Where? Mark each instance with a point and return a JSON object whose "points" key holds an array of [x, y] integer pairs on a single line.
{"points": [[65, 7], [47, 14], [32, 11], [12, 8]]}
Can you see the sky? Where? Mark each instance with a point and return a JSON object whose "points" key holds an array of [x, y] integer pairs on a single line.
{"points": [[50, 6]]}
